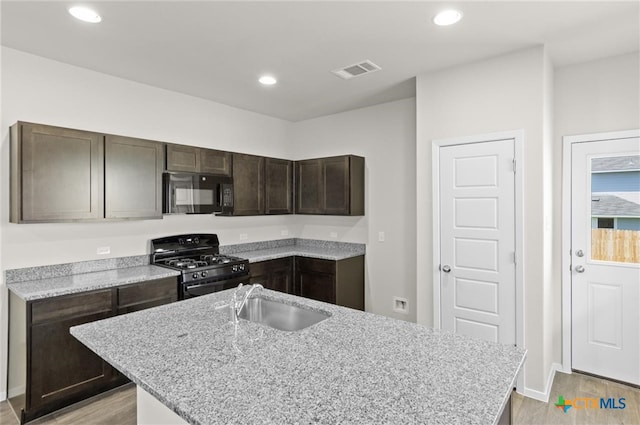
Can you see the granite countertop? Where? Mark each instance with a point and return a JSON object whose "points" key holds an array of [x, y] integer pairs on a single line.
{"points": [[63, 285], [300, 251], [33, 283], [313, 248], [354, 367]]}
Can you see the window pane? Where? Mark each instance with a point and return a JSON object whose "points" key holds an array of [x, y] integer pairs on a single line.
{"points": [[615, 209]]}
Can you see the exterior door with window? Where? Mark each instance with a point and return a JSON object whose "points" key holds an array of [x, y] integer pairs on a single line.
{"points": [[605, 258]]}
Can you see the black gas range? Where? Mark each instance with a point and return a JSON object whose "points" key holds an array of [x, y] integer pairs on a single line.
{"points": [[202, 268]]}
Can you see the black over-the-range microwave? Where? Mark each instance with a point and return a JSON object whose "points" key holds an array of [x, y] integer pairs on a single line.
{"points": [[194, 193]]}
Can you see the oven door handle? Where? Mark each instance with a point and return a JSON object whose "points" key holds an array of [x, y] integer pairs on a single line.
{"points": [[203, 288]]}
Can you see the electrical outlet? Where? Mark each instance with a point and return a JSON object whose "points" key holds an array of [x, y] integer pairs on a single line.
{"points": [[380, 236], [103, 250], [244, 236], [401, 305], [284, 233], [333, 234]]}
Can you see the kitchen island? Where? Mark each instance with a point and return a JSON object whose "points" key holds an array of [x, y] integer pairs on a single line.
{"points": [[353, 367]]}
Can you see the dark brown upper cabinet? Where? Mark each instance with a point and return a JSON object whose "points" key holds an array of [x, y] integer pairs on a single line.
{"points": [[309, 186], [262, 185], [133, 177], [279, 186], [198, 160], [330, 186], [248, 184], [56, 174], [60, 174]]}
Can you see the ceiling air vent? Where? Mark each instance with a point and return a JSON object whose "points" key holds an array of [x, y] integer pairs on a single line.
{"points": [[357, 70]]}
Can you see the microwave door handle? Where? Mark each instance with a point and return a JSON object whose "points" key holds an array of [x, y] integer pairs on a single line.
{"points": [[219, 194]]}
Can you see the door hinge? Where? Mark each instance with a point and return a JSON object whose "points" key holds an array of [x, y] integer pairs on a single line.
{"points": [[514, 165], [515, 258]]}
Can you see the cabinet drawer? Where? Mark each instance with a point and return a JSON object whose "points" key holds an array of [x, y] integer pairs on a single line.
{"points": [[148, 291], [315, 265], [69, 306]]}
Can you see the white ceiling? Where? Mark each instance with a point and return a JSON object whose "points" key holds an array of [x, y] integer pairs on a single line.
{"points": [[216, 50]]}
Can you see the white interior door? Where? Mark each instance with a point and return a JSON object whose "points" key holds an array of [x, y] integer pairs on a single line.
{"points": [[477, 240], [605, 257]]}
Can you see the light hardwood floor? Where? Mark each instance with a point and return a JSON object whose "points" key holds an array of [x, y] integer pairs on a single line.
{"points": [[527, 411], [118, 407]]}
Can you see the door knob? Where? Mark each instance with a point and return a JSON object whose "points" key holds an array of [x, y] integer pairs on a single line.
{"points": [[446, 269], [580, 269]]}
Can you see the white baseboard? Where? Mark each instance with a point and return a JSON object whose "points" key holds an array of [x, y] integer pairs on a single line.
{"points": [[544, 396]]}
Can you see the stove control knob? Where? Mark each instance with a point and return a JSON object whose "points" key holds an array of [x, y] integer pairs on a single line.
{"points": [[234, 268], [241, 267], [195, 275], [203, 274]]}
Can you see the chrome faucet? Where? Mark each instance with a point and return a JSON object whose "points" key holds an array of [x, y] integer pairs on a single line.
{"points": [[237, 305]]}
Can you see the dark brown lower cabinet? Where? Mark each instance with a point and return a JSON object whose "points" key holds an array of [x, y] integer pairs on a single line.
{"points": [[140, 296], [338, 282], [49, 368], [273, 274]]}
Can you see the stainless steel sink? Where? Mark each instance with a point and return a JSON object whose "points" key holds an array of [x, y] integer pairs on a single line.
{"points": [[279, 315]]}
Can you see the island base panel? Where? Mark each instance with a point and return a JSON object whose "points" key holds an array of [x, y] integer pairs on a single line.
{"points": [[153, 412]]}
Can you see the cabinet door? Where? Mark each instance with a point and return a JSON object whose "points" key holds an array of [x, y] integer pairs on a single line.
{"points": [[259, 273], [215, 162], [183, 158], [140, 296], [315, 279], [273, 274], [62, 369], [309, 187], [335, 187], [281, 278], [248, 184], [316, 286], [279, 186], [133, 178], [61, 174]]}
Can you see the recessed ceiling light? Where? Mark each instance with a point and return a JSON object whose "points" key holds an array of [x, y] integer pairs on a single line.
{"points": [[85, 14], [267, 80], [447, 17]]}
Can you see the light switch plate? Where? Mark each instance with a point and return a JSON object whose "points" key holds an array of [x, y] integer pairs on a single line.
{"points": [[333, 234], [244, 236]]}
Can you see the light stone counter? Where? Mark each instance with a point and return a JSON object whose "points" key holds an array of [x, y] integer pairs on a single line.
{"points": [[314, 248], [353, 368], [63, 285]]}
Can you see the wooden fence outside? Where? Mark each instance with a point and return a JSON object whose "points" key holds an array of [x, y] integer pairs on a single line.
{"points": [[615, 245]]}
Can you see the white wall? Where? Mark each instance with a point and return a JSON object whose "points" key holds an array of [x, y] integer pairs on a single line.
{"points": [[592, 97], [499, 94], [385, 136]]}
